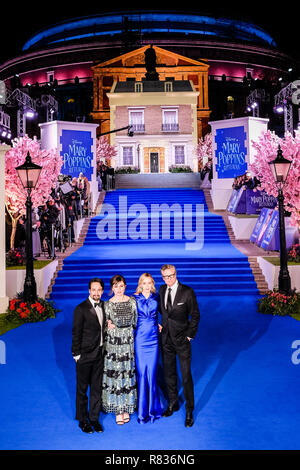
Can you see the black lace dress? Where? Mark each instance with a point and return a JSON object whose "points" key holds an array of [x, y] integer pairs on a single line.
{"points": [[119, 390]]}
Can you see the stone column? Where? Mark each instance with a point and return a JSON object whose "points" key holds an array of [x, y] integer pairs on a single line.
{"points": [[3, 297]]}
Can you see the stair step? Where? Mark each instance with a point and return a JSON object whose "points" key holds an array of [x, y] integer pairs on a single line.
{"points": [[208, 276]]}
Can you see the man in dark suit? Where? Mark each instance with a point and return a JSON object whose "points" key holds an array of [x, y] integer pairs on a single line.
{"points": [[87, 345], [180, 318]]}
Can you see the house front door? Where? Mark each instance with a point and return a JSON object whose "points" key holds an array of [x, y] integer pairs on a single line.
{"points": [[154, 162]]}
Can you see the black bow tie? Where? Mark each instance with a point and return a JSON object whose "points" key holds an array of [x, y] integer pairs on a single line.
{"points": [[97, 305]]}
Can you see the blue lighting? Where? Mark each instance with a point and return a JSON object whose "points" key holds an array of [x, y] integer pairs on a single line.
{"points": [[150, 22]]}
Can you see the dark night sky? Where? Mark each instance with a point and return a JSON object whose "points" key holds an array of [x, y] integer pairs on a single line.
{"points": [[281, 23]]}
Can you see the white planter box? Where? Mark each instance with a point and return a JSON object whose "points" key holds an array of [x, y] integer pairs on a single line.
{"points": [[271, 274], [15, 280], [242, 226]]}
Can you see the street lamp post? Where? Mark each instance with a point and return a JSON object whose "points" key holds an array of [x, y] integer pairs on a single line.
{"points": [[29, 174], [280, 168]]}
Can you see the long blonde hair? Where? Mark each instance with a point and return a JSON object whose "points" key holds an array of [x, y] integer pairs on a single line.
{"points": [[142, 277]]}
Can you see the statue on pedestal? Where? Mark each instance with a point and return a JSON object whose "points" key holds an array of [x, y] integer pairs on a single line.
{"points": [[150, 63]]}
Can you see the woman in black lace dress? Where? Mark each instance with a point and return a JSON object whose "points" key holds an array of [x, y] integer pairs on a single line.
{"points": [[119, 393]]}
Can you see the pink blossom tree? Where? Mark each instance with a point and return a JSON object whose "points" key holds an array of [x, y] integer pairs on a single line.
{"points": [[15, 195], [104, 151], [204, 148], [266, 150]]}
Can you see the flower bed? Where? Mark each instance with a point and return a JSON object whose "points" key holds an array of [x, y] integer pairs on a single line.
{"points": [[180, 169], [15, 257], [294, 253], [125, 170], [276, 303], [26, 312]]}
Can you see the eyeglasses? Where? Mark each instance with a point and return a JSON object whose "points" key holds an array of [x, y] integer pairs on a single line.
{"points": [[170, 276]]}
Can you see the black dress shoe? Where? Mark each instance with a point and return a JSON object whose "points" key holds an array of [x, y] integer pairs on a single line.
{"points": [[86, 427], [97, 426], [189, 420], [170, 410]]}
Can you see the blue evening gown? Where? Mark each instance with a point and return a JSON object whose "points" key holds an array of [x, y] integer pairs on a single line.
{"points": [[146, 357]]}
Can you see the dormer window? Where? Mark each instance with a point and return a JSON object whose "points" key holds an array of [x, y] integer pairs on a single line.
{"points": [[138, 87], [168, 86]]}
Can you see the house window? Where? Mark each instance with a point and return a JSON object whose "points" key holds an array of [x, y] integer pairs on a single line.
{"points": [[127, 155], [136, 120], [170, 120], [138, 87], [179, 155]]}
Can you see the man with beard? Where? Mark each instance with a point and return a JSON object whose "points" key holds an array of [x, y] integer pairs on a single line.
{"points": [[87, 350]]}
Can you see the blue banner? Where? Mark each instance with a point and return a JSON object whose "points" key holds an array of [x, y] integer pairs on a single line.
{"points": [[77, 153], [231, 152], [256, 200], [270, 232], [232, 200], [239, 205], [264, 215]]}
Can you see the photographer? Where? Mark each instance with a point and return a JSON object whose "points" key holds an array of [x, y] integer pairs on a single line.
{"points": [[60, 224], [71, 212], [48, 217], [245, 180]]}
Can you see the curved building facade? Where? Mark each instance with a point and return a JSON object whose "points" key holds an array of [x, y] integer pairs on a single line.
{"points": [[239, 55]]}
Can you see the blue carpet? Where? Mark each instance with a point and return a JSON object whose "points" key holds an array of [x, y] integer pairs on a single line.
{"points": [[245, 381]]}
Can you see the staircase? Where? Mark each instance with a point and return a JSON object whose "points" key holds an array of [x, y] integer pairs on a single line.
{"points": [[260, 280], [256, 270], [69, 250], [216, 269], [74, 247]]}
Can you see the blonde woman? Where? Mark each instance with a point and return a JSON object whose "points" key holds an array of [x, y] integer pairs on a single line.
{"points": [[146, 349]]}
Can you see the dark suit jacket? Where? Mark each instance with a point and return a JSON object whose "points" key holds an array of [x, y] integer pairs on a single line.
{"points": [[86, 331], [182, 321]]}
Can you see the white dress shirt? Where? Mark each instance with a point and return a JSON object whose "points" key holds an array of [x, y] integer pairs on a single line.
{"points": [[100, 318], [173, 292], [99, 314]]}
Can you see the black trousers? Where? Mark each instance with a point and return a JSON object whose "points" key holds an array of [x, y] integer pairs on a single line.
{"points": [[89, 375], [169, 353]]}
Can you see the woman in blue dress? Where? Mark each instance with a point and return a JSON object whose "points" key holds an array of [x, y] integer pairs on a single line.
{"points": [[146, 350]]}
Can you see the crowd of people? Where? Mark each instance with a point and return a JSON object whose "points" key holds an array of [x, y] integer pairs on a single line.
{"points": [[245, 180], [105, 177], [53, 223], [115, 345]]}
